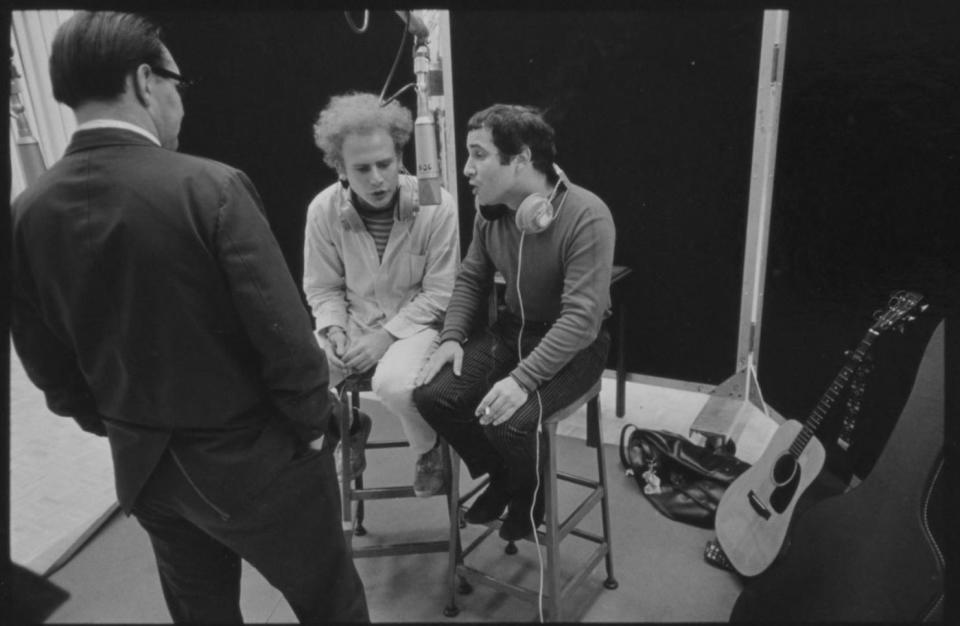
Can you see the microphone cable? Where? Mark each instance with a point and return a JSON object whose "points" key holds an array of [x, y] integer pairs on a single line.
{"points": [[393, 69]]}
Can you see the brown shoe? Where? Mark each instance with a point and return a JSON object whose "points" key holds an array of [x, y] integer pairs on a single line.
{"points": [[431, 474]]}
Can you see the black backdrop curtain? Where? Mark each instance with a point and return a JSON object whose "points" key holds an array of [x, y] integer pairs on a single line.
{"points": [[654, 111]]}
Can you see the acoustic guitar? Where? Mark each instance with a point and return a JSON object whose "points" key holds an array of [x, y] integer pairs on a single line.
{"points": [[755, 511], [875, 553]]}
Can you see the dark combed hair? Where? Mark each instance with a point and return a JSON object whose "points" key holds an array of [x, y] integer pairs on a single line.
{"points": [[514, 126], [93, 52]]}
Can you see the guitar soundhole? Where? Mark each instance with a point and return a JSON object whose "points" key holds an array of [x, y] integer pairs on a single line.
{"points": [[784, 469]]}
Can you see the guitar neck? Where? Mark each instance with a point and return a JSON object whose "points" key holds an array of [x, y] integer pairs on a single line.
{"points": [[831, 394]]}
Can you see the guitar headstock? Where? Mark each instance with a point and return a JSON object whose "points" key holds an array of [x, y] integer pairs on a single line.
{"points": [[898, 312]]}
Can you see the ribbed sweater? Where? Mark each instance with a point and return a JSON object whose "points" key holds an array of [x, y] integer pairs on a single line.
{"points": [[564, 275]]}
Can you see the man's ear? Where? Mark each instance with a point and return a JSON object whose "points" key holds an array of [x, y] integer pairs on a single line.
{"points": [[139, 81], [523, 158]]}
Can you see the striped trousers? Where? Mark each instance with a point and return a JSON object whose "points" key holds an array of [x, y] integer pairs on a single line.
{"points": [[448, 402]]}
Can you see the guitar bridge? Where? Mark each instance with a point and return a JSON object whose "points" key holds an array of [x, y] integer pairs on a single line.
{"points": [[758, 506]]}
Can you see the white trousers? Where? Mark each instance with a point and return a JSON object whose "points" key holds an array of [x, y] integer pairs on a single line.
{"points": [[393, 383]]}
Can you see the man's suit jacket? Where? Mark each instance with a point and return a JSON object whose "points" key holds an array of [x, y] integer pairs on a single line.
{"points": [[151, 302]]}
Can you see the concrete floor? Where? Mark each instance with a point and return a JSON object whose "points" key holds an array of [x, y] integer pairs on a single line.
{"points": [[658, 563], [62, 489]]}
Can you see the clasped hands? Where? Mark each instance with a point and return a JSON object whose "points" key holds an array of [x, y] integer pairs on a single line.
{"points": [[500, 403], [359, 354]]}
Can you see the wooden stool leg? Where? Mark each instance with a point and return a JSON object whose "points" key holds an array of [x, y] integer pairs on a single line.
{"points": [[359, 530], [593, 416], [346, 500], [621, 366], [454, 556], [552, 569]]}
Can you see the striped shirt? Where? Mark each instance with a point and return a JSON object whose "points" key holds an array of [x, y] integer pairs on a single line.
{"points": [[379, 222]]}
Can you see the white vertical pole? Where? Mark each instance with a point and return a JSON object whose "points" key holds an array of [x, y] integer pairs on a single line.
{"points": [[448, 143], [724, 416], [773, 49]]}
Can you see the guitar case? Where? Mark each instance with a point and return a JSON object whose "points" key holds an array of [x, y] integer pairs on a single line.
{"points": [[870, 554]]}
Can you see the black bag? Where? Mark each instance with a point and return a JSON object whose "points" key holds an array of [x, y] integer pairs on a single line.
{"points": [[682, 480]]}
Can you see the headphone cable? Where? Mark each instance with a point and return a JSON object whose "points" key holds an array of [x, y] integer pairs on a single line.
{"points": [[536, 466]]}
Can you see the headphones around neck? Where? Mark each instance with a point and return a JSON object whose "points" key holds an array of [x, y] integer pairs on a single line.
{"points": [[536, 212], [409, 202]]}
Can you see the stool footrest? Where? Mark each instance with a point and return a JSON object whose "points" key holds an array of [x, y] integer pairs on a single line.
{"points": [[382, 493], [579, 480], [477, 577], [583, 534], [570, 524], [584, 570], [492, 526], [394, 549], [380, 445]]}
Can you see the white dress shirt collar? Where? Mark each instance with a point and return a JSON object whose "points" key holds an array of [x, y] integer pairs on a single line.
{"points": [[108, 123]]}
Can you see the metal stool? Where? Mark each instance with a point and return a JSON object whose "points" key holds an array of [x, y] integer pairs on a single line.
{"points": [[351, 388], [556, 531]]}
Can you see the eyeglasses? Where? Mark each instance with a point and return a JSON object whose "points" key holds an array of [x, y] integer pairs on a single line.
{"points": [[182, 83]]}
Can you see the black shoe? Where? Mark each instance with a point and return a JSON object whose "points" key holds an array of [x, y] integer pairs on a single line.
{"points": [[489, 505], [517, 523], [359, 433]]}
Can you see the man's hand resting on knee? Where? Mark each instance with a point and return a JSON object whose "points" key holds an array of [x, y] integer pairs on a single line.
{"points": [[449, 351], [501, 402]]}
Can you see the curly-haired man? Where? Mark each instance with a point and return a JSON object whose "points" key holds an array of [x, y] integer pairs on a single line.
{"points": [[379, 268]]}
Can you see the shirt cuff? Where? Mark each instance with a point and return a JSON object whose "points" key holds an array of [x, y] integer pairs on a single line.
{"points": [[520, 383], [326, 320]]}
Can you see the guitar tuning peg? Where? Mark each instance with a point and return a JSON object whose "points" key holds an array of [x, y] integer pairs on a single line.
{"points": [[924, 307]]}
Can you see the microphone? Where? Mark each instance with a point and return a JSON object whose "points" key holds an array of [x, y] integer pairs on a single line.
{"points": [[425, 132]]}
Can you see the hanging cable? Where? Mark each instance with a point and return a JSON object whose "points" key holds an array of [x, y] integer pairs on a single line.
{"points": [[396, 61], [393, 70], [361, 29]]}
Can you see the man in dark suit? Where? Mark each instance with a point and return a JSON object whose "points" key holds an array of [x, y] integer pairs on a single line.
{"points": [[152, 305]]}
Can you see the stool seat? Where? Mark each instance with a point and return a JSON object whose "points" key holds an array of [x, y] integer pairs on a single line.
{"points": [[558, 416], [555, 530]]}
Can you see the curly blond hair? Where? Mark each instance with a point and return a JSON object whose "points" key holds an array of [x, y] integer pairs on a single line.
{"points": [[357, 112]]}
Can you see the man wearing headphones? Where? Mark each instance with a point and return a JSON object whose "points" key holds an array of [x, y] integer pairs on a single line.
{"points": [[553, 243], [379, 268]]}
